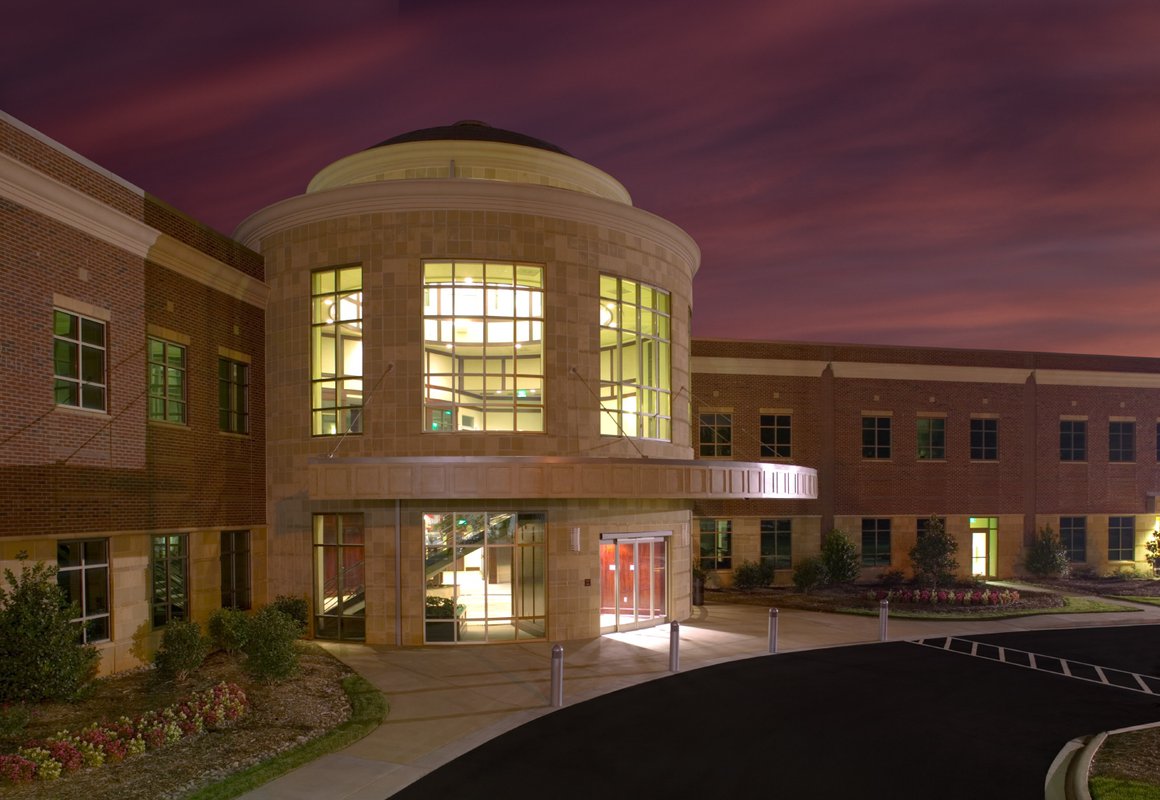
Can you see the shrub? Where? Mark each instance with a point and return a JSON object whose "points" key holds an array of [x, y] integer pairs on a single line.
{"points": [[1047, 557], [228, 628], [182, 650], [809, 574], [892, 577], [269, 647], [933, 555], [752, 575], [40, 658], [840, 558], [294, 607], [14, 718]]}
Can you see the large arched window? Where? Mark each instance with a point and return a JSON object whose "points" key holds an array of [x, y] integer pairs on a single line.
{"points": [[483, 355], [635, 360]]}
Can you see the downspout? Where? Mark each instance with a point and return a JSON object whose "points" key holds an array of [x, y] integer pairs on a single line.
{"points": [[398, 573]]}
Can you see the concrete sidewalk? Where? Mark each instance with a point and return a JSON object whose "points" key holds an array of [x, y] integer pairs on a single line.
{"points": [[444, 701]]}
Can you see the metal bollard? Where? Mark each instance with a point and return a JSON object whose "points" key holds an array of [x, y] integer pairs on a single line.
{"points": [[883, 616], [773, 630], [675, 647], [557, 675]]}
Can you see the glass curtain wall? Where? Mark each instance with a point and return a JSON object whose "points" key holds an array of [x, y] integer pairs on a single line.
{"points": [[483, 360], [336, 351], [635, 360], [485, 576]]}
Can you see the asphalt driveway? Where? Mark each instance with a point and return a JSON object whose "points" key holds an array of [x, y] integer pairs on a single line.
{"points": [[892, 720]]}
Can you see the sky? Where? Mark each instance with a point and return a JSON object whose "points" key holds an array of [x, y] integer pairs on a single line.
{"points": [[952, 173]]}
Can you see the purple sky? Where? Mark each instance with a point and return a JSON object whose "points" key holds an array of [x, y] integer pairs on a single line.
{"points": [[963, 173]]}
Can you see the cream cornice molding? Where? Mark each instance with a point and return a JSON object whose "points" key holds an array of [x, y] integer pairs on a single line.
{"points": [[1082, 377], [713, 365], [439, 194], [719, 365], [38, 192], [191, 263], [929, 372]]}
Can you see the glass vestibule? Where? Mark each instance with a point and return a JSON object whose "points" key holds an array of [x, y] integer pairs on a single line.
{"points": [[485, 576], [633, 585]]}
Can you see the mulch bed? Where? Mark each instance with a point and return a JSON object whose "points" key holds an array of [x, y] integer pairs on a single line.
{"points": [[281, 716]]}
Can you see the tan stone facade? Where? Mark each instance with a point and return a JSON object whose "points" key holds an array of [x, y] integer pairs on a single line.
{"points": [[387, 213]]}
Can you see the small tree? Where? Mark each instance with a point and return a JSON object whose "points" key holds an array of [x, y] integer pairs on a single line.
{"points": [[1047, 557], [840, 558], [40, 654], [1153, 548], [933, 555]]}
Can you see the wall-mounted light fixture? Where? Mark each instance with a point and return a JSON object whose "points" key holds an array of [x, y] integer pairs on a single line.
{"points": [[574, 545]]}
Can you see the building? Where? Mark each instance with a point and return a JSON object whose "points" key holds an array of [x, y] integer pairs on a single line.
{"points": [[132, 376], [448, 394], [997, 444]]}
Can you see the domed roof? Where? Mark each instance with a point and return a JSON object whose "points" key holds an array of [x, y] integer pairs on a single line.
{"points": [[471, 130]]}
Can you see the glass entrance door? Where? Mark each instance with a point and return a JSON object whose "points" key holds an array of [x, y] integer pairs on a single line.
{"points": [[633, 583]]}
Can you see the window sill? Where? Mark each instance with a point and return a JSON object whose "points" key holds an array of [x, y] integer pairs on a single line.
{"points": [[984, 461], [91, 413], [931, 460], [234, 435], [173, 426]]}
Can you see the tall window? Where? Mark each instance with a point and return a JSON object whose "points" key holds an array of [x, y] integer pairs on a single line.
{"points": [[984, 439], [78, 355], [483, 346], [932, 438], [716, 543], [876, 542], [716, 435], [1121, 538], [170, 570], [776, 439], [1073, 536], [876, 437], [235, 563], [340, 595], [776, 538], [166, 381], [1121, 441], [1072, 440], [336, 351], [83, 574], [635, 360], [233, 396]]}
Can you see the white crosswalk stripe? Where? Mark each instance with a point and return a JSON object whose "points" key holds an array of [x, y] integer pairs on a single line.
{"points": [[1068, 668]]}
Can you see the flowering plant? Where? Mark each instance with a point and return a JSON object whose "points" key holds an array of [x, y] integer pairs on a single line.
{"points": [[215, 708], [974, 597]]}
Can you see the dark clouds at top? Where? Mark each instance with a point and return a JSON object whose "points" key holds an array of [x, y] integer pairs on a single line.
{"points": [[967, 174]]}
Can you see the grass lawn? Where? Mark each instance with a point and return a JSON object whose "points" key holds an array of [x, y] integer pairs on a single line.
{"points": [[1115, 789], [1135, 598]]}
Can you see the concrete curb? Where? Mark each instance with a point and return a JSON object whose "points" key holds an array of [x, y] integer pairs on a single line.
{"points": [[1055, 786], [1067, 777]]}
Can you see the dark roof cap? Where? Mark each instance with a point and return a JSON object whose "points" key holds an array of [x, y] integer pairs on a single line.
{"points": [[471, 130]]}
